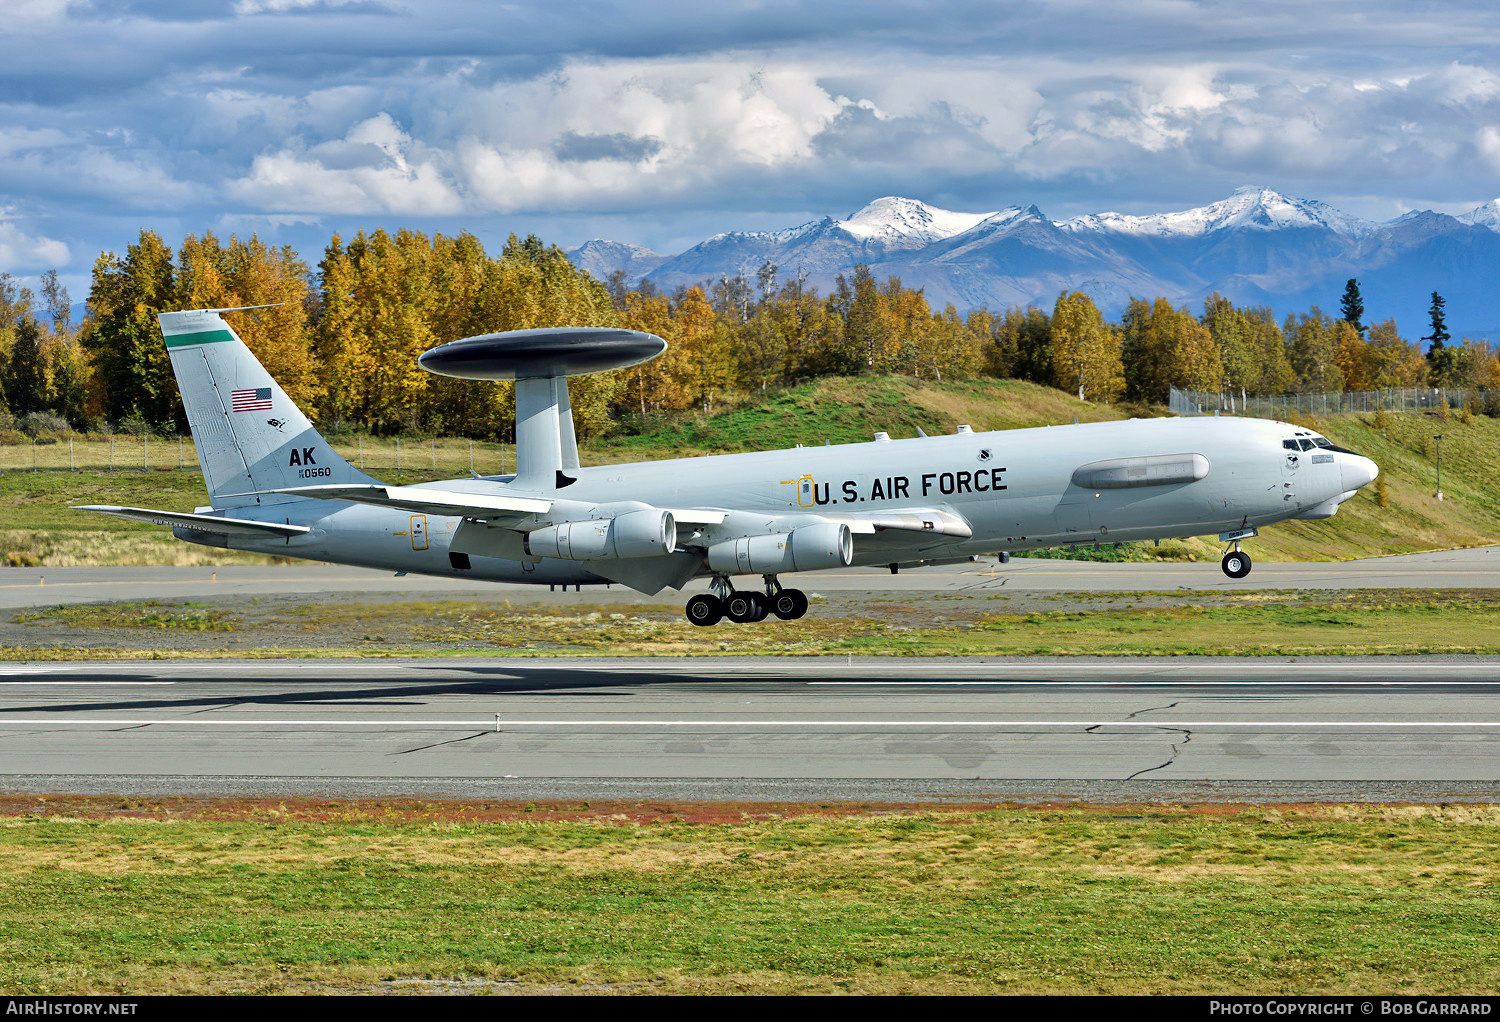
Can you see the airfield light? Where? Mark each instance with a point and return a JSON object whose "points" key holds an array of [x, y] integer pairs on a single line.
{"points": [[1439, 438]]}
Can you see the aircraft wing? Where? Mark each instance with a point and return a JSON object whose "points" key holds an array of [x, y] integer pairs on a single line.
{"points": [[427, 500], [196, 522], [463, 504]]}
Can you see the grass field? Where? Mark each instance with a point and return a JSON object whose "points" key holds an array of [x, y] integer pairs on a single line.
{"points": [[1263, 623], [112, 898]]}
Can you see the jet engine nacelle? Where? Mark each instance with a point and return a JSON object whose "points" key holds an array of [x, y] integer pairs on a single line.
{"points": [[650, 533], [825, 545]]}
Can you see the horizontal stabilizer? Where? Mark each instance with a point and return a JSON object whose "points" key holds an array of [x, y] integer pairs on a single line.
{"points": [[427, 500], [196, 522]]}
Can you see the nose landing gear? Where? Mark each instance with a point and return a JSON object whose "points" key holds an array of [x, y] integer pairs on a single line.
{"points": [[1236, 564], [744, 606]]}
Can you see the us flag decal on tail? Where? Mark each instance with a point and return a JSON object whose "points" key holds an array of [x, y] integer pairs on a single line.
{"points": [[251, 400]]}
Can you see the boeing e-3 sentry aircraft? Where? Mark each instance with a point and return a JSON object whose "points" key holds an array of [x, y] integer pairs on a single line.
{"points": [[276, 486]]}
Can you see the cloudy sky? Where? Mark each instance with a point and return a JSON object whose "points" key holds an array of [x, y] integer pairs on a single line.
{"points": [[660, 122]]}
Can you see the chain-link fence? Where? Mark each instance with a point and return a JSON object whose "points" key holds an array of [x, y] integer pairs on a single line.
{"points": [[1282, 406]]}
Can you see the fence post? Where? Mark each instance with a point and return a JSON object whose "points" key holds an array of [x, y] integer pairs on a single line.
{"points": [[398, 454], [432, 443], [71, 465], [145, 450]]}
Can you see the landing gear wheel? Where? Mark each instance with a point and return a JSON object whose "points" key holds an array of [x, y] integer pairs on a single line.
{"points": [[743, 607], [1236, 564], [705, 609], [789, 604]]}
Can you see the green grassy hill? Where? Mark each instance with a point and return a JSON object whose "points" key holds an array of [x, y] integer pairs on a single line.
{"points": [[40, 530], [850, 409]]}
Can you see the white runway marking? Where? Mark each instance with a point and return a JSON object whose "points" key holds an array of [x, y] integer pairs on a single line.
{"points": [[79, 684], [1174, 683], [66, 722]]}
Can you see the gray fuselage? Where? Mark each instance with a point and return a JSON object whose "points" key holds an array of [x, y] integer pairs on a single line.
{"points": [[1016, 489]]}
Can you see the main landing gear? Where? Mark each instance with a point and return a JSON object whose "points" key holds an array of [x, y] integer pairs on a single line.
{"points": [[742, 605]]}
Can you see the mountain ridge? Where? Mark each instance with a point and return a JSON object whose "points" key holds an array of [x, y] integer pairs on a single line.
{"points": [[1256, 247]]}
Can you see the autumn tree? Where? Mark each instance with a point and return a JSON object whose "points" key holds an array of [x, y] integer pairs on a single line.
{"points": [[248, 272], [1085, 351], [1394, 361], [1163, 347], [132, 371], [1021, 346], [1251, 348], [1312, 347]]}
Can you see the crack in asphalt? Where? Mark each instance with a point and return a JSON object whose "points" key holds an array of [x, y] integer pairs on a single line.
{"points": [[1175, 746], [435, 745]]}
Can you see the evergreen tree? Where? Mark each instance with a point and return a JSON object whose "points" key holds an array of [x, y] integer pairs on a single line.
{"points": [[1441, 359], [26, 382], [1353, 307], [1439, 336]]}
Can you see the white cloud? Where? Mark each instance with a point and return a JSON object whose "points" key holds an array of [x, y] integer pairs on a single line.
{"points": [[1487, 141], [20, 252], [407, 178]]}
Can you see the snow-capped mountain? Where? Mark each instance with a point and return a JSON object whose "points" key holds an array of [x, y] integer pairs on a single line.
{"points": [[1249, 208], [1256, 247], [600, 258], [1487, 215], [906, 223]]}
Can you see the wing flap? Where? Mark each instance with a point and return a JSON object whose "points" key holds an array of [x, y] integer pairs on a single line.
{"points": [[697, 515], [196, 522], [925, 521]]}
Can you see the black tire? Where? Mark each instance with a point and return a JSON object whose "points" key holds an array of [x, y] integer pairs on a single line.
{"points": [[1236, 564], [789, 604], [762, 606], [741, 606], [704, 609]]}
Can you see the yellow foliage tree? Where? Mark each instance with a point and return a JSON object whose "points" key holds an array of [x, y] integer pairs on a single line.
{"points": [[1085, 350]]}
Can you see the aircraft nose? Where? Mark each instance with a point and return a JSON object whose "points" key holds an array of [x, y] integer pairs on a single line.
{"points": [[1356, 471]]}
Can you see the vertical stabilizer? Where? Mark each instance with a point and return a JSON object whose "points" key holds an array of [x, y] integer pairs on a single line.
{"points": [[249, 435]]}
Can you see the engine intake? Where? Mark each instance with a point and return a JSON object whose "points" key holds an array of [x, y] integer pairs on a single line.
{"points": [[634, 534], [809, 548]]}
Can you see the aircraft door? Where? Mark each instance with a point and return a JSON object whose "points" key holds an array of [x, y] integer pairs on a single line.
{"points": [[419, 532], [1074, 516]]}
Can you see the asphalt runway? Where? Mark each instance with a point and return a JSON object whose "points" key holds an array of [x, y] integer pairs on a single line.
{"points": [[1209, 729], [1477, 568]]}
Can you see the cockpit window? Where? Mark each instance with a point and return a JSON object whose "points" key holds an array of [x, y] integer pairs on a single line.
{"points": [[1290, 445], [1326, 445], [1307, 445]]}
